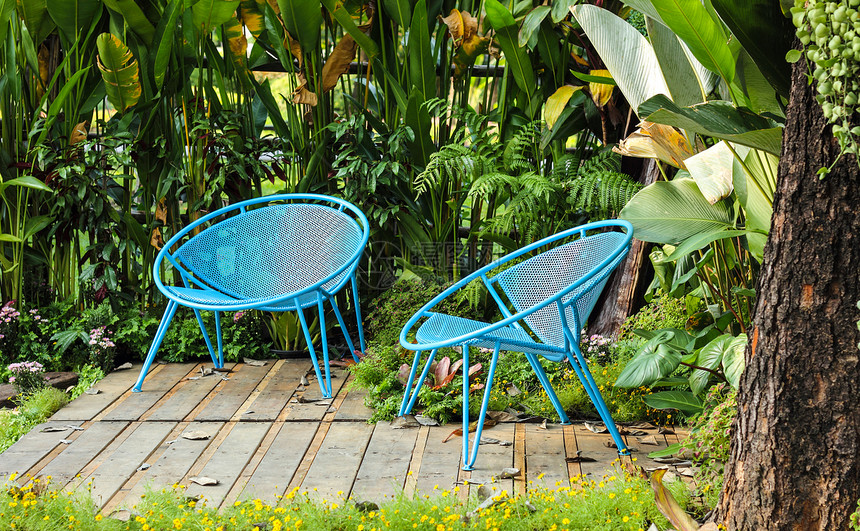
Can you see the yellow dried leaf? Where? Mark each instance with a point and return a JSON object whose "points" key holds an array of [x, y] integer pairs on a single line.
{"points": [[656, 141], [304, 96], [338, 62], [556, 103], [579, 59], [600, 92], [79, 133], [43, 71], [156, 240], [454, 21], [250, 13]]}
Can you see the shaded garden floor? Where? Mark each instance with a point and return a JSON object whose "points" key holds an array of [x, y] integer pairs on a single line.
{"points": [[266, 434]]}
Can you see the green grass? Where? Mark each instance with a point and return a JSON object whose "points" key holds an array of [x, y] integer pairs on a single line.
{"points": [[614, 502], [33, 409]]}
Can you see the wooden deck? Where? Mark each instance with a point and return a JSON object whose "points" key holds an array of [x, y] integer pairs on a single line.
{"points": [[267, 435]]}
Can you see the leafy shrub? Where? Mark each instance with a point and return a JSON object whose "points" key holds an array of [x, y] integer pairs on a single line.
{"points": [[664, 311], [709, 442], [387, 313]]}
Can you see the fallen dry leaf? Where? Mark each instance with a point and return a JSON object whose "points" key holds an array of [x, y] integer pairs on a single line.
{"points": [[124, 367], [195, 435], [203, 480], [651, 440], [579, 458], [510, 472], [51, 429], [665, 430], [254, 363], [596, 427], [92, 391], [405, 421]]}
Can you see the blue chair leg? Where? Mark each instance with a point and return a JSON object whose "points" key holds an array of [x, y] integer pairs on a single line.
{"points": [[310, 343], [411, 395], [156, 342], [357, 314], [581, 368], [206, 337], [547, 386], [219, 363], [469, 459], [343, 329], [324, 340]]}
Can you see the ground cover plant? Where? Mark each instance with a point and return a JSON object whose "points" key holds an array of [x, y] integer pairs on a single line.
{"points": [[613, 502]]}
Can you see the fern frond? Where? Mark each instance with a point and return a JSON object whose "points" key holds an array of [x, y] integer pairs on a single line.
{"points": [[453, 162], [601, 194]]}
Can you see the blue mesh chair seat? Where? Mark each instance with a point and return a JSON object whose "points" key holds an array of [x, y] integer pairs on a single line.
{"points": [[277, 253], [545, 300]]}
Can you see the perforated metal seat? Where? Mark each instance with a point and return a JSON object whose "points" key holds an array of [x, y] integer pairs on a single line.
{"points": [[278, 253], [544, 300]]}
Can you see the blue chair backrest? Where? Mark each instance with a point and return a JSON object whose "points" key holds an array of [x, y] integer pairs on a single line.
{"points": [[273, 250], [542, 276]]}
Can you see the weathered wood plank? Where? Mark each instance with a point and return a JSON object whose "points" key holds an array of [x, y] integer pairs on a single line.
{"points": [[107, 479], [32, 448], [336, 463], [593, 446], [279, 390], [296, 410], [133, 406], [277, 468], [492, 458], [353, 407], [571, 449], [440, 464], [188, 395], [111, 387], [545, 464], [383, 470], [173, 464], [81, 451], [228, 461], [243, 380], [520, 458]]}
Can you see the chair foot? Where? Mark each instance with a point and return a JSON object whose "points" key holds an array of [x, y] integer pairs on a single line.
{"points": [[624, 453], [136, 389], [468, 468]]}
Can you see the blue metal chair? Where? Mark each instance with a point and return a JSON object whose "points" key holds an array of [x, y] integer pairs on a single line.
{"points": [[278, 253], [544, 300]]}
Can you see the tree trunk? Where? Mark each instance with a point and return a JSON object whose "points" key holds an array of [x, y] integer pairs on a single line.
{"points": [[796, 441]]}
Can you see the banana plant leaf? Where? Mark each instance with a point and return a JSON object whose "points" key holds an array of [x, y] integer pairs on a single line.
{"points": [[418, 118], [681, 77], [718, 119], [754, 191], [531, 24], [399, 11], [73, 17], [251, 15], [163, 41], [764, 33], [517, 59], [707, 38], [134, 17], [422, 65], [670, 212], [627, 55], [119, 71], [339, 13], [36, 18], [303, 20], [712, 171], [209, 14]]}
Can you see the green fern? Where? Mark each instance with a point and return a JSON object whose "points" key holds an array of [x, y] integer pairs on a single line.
{"points": [[452, 163], [523, 149], [595, 186]]}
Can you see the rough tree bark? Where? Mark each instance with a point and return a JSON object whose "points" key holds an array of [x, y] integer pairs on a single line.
{"points": [[796, 445]]}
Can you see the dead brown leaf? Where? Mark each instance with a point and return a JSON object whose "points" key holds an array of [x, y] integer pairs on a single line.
{"points": [[79, 133], [203, 480], [254, 363], [596, 427], [650, 439], [338, 62], [195, 435], [579, 458]]}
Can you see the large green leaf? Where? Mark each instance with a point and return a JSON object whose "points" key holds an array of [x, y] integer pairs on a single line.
{"points": [[303, 20], [531, 23], [73, 17], [754, 191], [209, 14], [707, 39], [684, 401], [27, 181], [654, 361], [35, 15], [699, 241], [719, 119], [339, 13], [733, 360], [681, 79], [399, 11], [517, 60], [710, 357], [119, 72], [418, 119], [670, 212], [626, 53], [7, 7], [762, 96], [134, 17], [764, 33], [163, 40], [422, 66]]}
